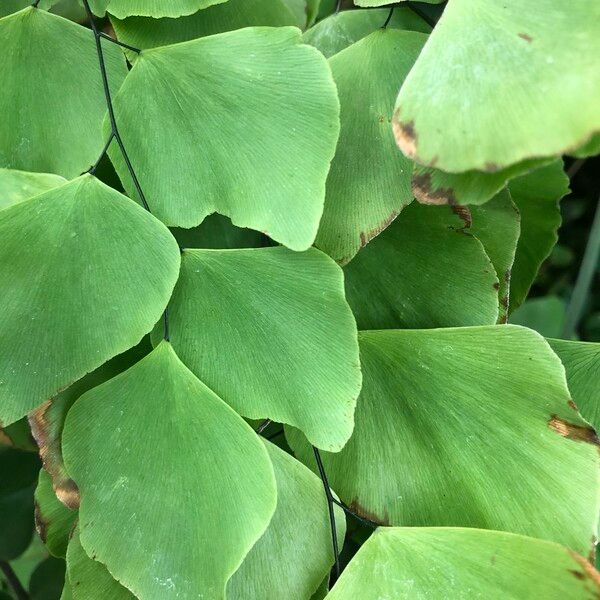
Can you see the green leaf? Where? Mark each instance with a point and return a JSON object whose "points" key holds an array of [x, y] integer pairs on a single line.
{"points": [[144, 32], [582, 365], [270, 332], [425, 270], [340, 30], [47, 580], [362, 199], [16, 186], [469, 427], [496, 224], [590, 149], [51, 98], [537, 196], [48, 420], [149, 8], [268, 174], [84, 273], [524, 86], [374, 3], [463, 563], [163, 488], [294, 555], [18, 472], [53, 520], [546, 315], [432, 186], [89, 579]]}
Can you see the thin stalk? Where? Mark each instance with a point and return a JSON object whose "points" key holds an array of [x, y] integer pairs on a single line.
{"points": [[330, 503], [389, 18], [584, 279], [349, 511], [108, 38], [93, 168], [13, 581]]}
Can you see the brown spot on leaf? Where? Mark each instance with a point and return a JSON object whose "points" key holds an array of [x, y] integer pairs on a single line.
{"points": [[41, 525], [525, 37], [4, 439], [361, 511], [405, 134], [463, 213], [366, 237], [491, 167], [424, 193], [587, 570], [577, 433], [68, 493], [496, 286], [572, 405]]}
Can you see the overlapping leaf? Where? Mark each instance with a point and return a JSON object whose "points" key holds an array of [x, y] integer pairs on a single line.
{"points": [[502, 82], [51, 97], [150, 8], [425, 270], [144, 32], [253, 141], [369, 182], [84, 273], [346, 27], [270, 332], [16, 186], [468, 427], [408, 563], [164, 489]]}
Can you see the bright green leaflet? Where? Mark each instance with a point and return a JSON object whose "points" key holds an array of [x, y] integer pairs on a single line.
{"points": [[150, 8], [48, 420], [298, 535], [342, 29], [89, 579], [374, 3], [298, 9], [16, 186], [537, 196], [144, 32], [369, 181], [12, 6], [206, 500], [53, 520], [47, 580], [269, 175], [526, 85], [432, 186], [85, 273], [423, 271], [545, 314], [18, 472], [496, 224], [582, 365], [457, 401], [51, 105], [590, 149], [216, 231], [269, 330], [436, 562]]}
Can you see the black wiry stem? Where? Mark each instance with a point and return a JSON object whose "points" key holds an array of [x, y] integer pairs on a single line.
{"points": [[13, 581], [115, 130], [93, 168], [330, 503], [349, 511], [107, 37], [35, 4], [389, 18]]}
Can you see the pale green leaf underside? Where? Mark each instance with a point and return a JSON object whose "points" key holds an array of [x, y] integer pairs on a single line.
{"points": [[468, 427], [431, 563], [582, 365], [150, 8], [342, 29], [496, 224], [89, 579], [270, 332], [16, 186], [53, 520], [423, 271], [84, 273], [261, 157], [163, 488], [502, 82], [432, 186], [294, 555], [537, 196], [51, 99], [145, 32], [369, 181]]}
